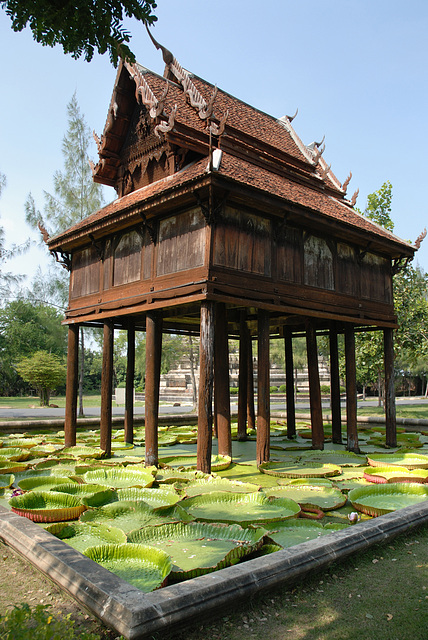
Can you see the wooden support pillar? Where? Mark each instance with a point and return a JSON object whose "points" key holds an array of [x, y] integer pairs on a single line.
{"points": [[205, 396], [153, 366], [129, 388], [336, 419], [263, 388], [107, 388], [289, 383], [314, 387], [221, 381], [390, 417], [251, 414], [351, 390], [71, 386], [243, 378]]}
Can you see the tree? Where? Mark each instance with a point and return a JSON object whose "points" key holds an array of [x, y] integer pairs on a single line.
{"points": [[75, 197], [378, 206], [44, 371], [81, 27], [8, 279]]}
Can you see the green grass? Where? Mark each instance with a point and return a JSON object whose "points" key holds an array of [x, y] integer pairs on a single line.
{"points": [[26, 402], [403, 411]]}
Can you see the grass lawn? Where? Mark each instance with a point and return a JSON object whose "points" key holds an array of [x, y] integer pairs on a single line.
{"points": [[403, 411], [26, 402]]}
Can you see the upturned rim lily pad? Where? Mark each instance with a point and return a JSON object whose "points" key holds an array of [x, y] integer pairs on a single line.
{"points": [[243, 508], [47, 506], [198, 548], [119, 477], [82, 535], [392, 473], [339, 458], [300, 470], [43, 482], [408, 460], [157, 498], [142, 566], [295, 531], [326, 498], [378, 499], [208, 485], [80, 451], [188, 462], [6, 480], [127, 515]]}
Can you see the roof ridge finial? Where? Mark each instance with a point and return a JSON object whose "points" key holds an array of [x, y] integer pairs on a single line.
{"points": [[166, 54]]}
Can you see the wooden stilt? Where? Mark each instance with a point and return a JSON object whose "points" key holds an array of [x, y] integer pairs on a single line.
{"points": [[221, 384], [336, 419], [71, 386], [263, 389], [351, 390], [206, 377], [153, 365], [107, 388], [243, 378], [251, 413], [129, 389], [314, 387], [390, 417], [289, 383]]}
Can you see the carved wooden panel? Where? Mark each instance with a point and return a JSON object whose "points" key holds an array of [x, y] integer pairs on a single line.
{"points": [[127, 258], [348, 270], [376, 282], [181, 243], [85, 273], [243, 242], [318, 269], [289, 256]]}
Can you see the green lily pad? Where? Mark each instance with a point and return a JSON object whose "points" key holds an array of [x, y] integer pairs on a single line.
{"points": [[244, 508], [126, 515], [42, 483], [340, 458], [380, 475], [81, 491], [326, 498], [83, 452], [294, 531], [408, 460], [218, 462], [300, 470], [198, 548], [198, 487], [144, 567], [378, 499], [82, 535], [45, 506], [6, 480], [170, 476], [157, 498], [12, 467], [119, 477], [14, 454]]}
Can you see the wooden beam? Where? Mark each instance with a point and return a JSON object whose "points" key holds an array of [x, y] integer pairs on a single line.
{"points": [[390, 414], [129, 389], [243, 378], [251, 414], [263, 389], [314, 387], [221, 383], [71, 386], [336, 420], [289, 383], [107, 388], [351, 390], [205, 397], [153, 364]]}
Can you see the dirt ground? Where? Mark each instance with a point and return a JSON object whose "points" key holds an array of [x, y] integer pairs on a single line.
{"points": [[21, 582]]}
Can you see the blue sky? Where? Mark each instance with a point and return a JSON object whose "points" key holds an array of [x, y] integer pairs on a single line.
{"points": [[355, 69]]}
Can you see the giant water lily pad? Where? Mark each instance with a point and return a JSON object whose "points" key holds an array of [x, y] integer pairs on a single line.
{"points": [[45, 506], [294, 531], [144, 567], [218, 462], [197, 548], [326, 498], [119, 477], [393, 473], [376, 500], [171, 476], [198, 487], [83, 452], [340, 458], [81, 535], [42, 483], [300, 470], [14, 454], [81, 491], [408, 460], [157, 498], [126, 515], [244, 508], [6, 480]]}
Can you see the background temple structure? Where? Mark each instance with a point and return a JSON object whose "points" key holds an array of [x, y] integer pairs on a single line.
{"points": [[226, 225]]}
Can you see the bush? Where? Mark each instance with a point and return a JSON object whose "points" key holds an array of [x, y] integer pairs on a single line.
{"points": [[233, 389], [325, 388], [273, 389], [23, 623], [283, 388]]}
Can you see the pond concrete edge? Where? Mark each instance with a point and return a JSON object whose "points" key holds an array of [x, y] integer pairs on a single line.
{"points": [[137, 615]]}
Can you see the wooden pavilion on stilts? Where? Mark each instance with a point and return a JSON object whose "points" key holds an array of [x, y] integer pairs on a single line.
{"points": [[226, 225]]}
